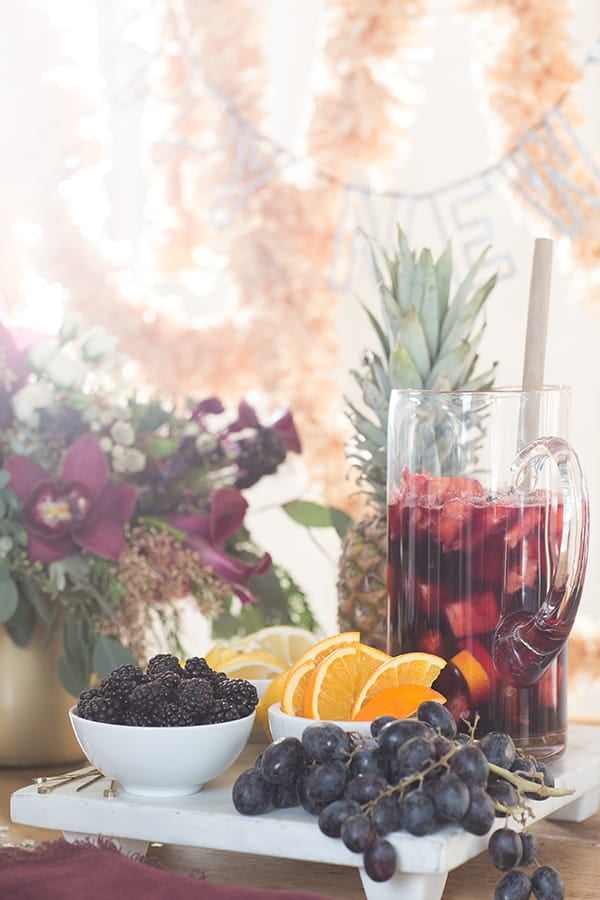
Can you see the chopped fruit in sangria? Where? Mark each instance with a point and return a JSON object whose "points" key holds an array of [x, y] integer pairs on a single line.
{"points": [[476, 677], [478, 614], [459, 561]]}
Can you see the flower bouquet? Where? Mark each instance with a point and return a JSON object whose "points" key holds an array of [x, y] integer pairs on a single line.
{"points": [[115, 505]]}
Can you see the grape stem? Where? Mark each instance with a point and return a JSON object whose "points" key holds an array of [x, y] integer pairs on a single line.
{"points": [[528, 785]]}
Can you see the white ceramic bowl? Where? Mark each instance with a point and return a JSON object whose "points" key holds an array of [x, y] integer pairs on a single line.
{"points": [[162, 762], [284, 725]]}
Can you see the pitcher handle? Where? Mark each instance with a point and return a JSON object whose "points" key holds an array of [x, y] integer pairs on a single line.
{"points": [[526, 643]]}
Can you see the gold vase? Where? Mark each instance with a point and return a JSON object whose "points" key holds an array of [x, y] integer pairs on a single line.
{"points": [[34, 721]]}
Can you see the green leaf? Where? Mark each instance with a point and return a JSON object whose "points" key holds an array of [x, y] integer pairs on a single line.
{"points": [[109, 653], [9, 599], [4, 478], [160, 447], [341, 521], [309, 514], [4, 569], [22, 623]]}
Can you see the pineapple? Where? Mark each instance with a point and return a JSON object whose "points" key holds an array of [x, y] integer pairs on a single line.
{"points": [[426, 341]]}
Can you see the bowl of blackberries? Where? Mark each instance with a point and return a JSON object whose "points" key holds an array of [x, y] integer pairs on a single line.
{"points": [[166, 730]]}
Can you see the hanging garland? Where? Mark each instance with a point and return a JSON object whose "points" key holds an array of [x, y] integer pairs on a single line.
{"points": [[529, 68], [277, 247]]}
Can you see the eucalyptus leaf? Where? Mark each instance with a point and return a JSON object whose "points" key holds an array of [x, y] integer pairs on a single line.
{"points": [[21, 624], [4, 569], [109, 653], [341, 521], [29, 590], [9, 599], [309, 514]]}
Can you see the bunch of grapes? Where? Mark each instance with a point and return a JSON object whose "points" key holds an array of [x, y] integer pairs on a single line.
{"points": [[414, 775]]}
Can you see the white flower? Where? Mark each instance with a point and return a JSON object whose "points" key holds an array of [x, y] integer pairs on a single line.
{"points": [[28, 400], [99, 343], [6, 545], [127, 460], [204, 443], [64, 371], [105, 444], [40, 353], [123, 433]]}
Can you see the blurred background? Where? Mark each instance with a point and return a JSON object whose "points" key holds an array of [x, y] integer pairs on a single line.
{"points": [[198, 177]]}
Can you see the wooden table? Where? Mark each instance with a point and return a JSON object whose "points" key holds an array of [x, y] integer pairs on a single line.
{"points": [[573, 848]]}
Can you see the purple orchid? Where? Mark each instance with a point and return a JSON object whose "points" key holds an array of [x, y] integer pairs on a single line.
{"points": [[83, 508], [247, 418], [286, 429], [209, 406], [206, 535]]}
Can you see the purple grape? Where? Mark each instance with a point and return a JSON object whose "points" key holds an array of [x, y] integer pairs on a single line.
{"points": [[326, 782], [333, 816], [283, 760], [499, 749], [325, 741], [450, 797], [386, 815], [515, 885], [481, 813], [358, 833], [438, 716], [417, 813], [251, 794], [380, 860], [505, 849], [547, 884], [470, 764]]}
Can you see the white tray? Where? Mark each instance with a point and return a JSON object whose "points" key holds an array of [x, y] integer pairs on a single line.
{"points": [[208, 820]]}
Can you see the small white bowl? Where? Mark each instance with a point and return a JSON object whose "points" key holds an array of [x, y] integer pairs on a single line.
{"points": [[284, 725], [162, 762]]}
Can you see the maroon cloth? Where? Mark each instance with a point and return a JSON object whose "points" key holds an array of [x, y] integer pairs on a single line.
{"points": [[58, 870]]}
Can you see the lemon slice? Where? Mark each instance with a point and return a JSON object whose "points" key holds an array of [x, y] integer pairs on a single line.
{"points": [[286, 642], [252, 665]]}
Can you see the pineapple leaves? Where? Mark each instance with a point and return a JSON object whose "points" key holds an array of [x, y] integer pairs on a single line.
{"points": [[467, 315], [403, 372], [406, 274], [443, 375], [456, 307], [413, 335], [429, 311], [385, 344], [443, 273]]}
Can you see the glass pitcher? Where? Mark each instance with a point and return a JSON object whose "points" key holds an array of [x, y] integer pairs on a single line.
{"points": [[487, 550]]}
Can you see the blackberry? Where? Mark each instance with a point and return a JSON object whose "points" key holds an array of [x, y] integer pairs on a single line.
{"points": [[102, 709], [197, 667], [84, 700], [196, 700], [174, 715], [240, 693], [224, 711], [147, 699], [161, 664], [120, 683]]}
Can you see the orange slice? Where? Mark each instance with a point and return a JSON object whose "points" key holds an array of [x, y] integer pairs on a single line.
{"points": [[294, 687], [407, 668], [292, 700], [331, 685], [397, 701]]}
